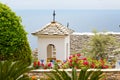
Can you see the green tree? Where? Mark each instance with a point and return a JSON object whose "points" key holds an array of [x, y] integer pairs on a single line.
{"points": [[13, 70], [100, 44], [13, 40]]}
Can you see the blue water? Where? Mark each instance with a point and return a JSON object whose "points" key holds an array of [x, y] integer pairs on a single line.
{"points": [[79, 20]]}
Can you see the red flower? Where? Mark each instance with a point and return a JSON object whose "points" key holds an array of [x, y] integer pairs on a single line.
{"points": [[38, 63], [104, 66], [78, 55], [84, 59], [85, 63], [70, 60], [49, 64], [92, 65], [42, 64], [107, 66], [34, 64]]}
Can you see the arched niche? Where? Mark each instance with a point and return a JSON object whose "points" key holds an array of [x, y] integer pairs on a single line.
{"points": [[51, 52]]}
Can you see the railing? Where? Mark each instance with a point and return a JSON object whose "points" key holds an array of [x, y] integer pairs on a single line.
{"points": [[69, 70]]}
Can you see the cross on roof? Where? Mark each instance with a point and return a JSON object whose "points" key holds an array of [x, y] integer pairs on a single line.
{"points": [[54, 16]]}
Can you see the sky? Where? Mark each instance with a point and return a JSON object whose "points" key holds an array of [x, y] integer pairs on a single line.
{"points": [[63, 4], [82, 15]]}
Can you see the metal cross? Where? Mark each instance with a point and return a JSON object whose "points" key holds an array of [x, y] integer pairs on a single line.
{"points": [[54, 16]]}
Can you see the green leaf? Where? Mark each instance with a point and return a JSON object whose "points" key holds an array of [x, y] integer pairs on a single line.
{"points": [[13, 38], [13, 70], [74, 74]]}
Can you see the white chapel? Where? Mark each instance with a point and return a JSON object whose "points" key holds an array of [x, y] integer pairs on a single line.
{"points": [[53, 41]]}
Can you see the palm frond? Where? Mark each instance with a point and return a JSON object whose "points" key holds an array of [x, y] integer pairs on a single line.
{"points": [[13, 70], [87, 75], [82, 74], [97, 75], [74, 74], [59, 75]]}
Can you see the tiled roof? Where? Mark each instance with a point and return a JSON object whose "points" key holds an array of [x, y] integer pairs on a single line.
{"points": [[53, 28]]}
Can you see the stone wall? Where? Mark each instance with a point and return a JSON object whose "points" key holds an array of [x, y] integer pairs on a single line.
{"points": [[79, 40]]}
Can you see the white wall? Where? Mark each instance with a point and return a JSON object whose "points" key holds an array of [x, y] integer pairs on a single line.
{"points": [[67, 49], [60, 45]]}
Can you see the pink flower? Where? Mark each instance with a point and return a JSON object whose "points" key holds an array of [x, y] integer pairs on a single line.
{"points": [[84, 59], [85, 63], [70, 60], [70, 56], [78, 55]]}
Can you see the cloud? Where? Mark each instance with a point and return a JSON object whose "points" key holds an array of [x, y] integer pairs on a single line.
{"points": [[63, 4]]}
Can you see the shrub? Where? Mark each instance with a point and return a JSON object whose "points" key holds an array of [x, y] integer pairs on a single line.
{"points": [[100, 44], [13, 40]]}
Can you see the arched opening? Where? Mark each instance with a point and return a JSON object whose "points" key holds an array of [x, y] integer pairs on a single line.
{"points": [[51, 52]]}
